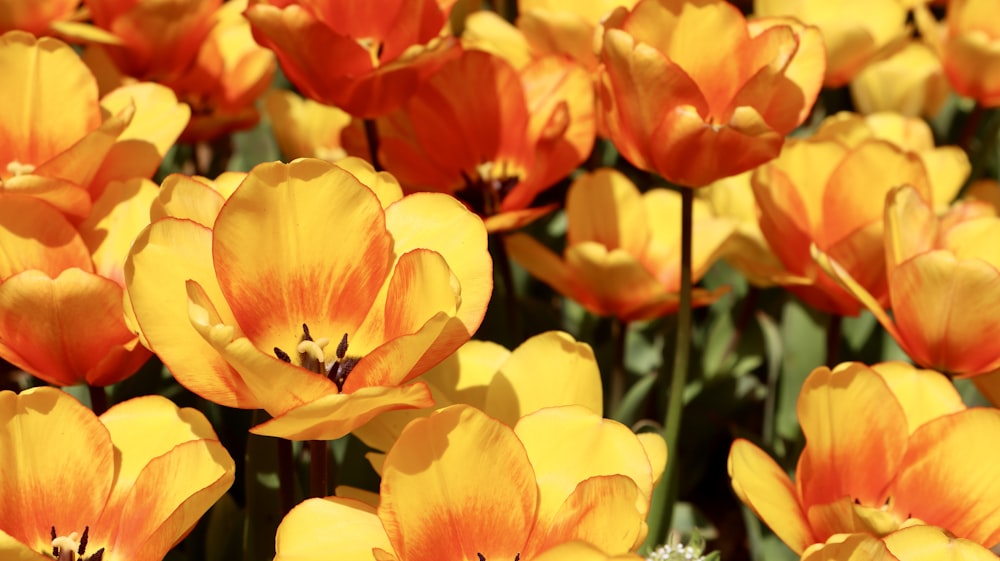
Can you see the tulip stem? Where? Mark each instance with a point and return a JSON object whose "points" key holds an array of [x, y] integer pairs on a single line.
{"points": [[619, 332], [317, 468], [286, 475], [371, 135], [98, 399], [833, 331], [665, 494], [502, 262]]}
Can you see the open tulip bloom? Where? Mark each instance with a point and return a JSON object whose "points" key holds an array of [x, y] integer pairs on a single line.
{"points": [[306, 297], [886, 447], [462, 485], [80, 487]]}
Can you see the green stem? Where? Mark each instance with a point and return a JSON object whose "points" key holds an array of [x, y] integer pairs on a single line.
{"points": [[619, 332], [98, 399], [286, 475], [371, 135], [833, 331], [317, 468], [665, 494]]}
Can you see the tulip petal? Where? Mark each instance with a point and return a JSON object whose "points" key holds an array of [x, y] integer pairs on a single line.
{"points": [[617, 283], [927, 543], [855, 436], [163, 258], [605, 207], [580, 551], [130, 424], [910, 225], [38, 491], [544, 265], [67, 330], [13, 550], [189, 198], [116, 219], [601, 511], [33, 235], [208, 472], [948, 477], [571, 378], [849, 547], [66, 196], [317, 527], [764, 487], [931, 296], [924, 395], [441, 223], [567, 445], [656, 451], [456, 484], [320, 261], [335, 415]]}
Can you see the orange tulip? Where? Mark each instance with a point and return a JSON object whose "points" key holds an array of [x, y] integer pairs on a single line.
{"points": [[123, 498], [855, 32], [915, 543], [694, 92], [970, 50], [374, 54], [154, 40], [350, 292], [887, 447], [822, 191], [37, 18], [944, 284], [492, 136], [622, 258]]}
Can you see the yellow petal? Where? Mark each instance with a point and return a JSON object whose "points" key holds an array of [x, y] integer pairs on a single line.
{"points": [[116, 219], [947, 476], [317, 527], [191, 198], [764, 487], [927, 543], [304, 128], [35, 236], [605, 207], [149, 529], [923, 394], [617, 282], [320, 261], [910, 225], [571, 377], [581, 551], [66, 196], [382, 183], [601, 511], [543, 264], [656, 451], [567, 445], [335, 415], [855, 433], [849, 547], [39, 429], [13, 550], [488, 31], [456, 484], [164, 256]]}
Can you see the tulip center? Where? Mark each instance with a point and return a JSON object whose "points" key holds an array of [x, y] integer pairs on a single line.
{"points": [[483, 557], [16, 168], [73, 547], [880, 520], [485, 193], [312, 356]]}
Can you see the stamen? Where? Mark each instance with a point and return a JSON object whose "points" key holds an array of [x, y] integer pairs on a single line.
{"points": [[282, 355], [311, 355], [340, 370], [481, 556], [306, 336], [342, 347], [83, 540]]}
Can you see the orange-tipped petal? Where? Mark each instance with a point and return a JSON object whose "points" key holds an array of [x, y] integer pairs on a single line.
{"points": [[927, 543], [924, 395], [764, 487], [118, 216], [191, 198], [607, 208], [317, 527], [456, 484], [33, 235]]}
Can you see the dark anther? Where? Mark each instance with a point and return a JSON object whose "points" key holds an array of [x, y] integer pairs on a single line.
{"points": [[97, 556], [83, 540], [306, 336], [517, 557], [857, 501], [340, 370], [481, 556], [55, 550], [282, 355], [53, 532], [342, 347]]}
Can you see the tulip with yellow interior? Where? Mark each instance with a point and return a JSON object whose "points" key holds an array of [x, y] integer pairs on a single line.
{"points": [[460, 484], [887, 446], [913, 543], [122, 500], [351, 291]]}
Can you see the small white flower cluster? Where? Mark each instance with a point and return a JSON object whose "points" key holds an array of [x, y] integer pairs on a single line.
{"points": [[675, 552]]}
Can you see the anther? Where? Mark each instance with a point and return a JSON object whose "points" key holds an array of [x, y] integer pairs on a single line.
{"points": [[282, 355], [340, 370], [306, 336], [342, 347], [83, 540], [481, 556]]}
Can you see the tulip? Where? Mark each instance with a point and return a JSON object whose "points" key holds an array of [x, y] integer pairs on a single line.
{"points": [[622, 258], [970, 50], [37, 18], [910, 81], [887, 446], [304, 128], [123, 499], [351, 291], [694, 92], [944, 284], [462, 485], [915, 543]]}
